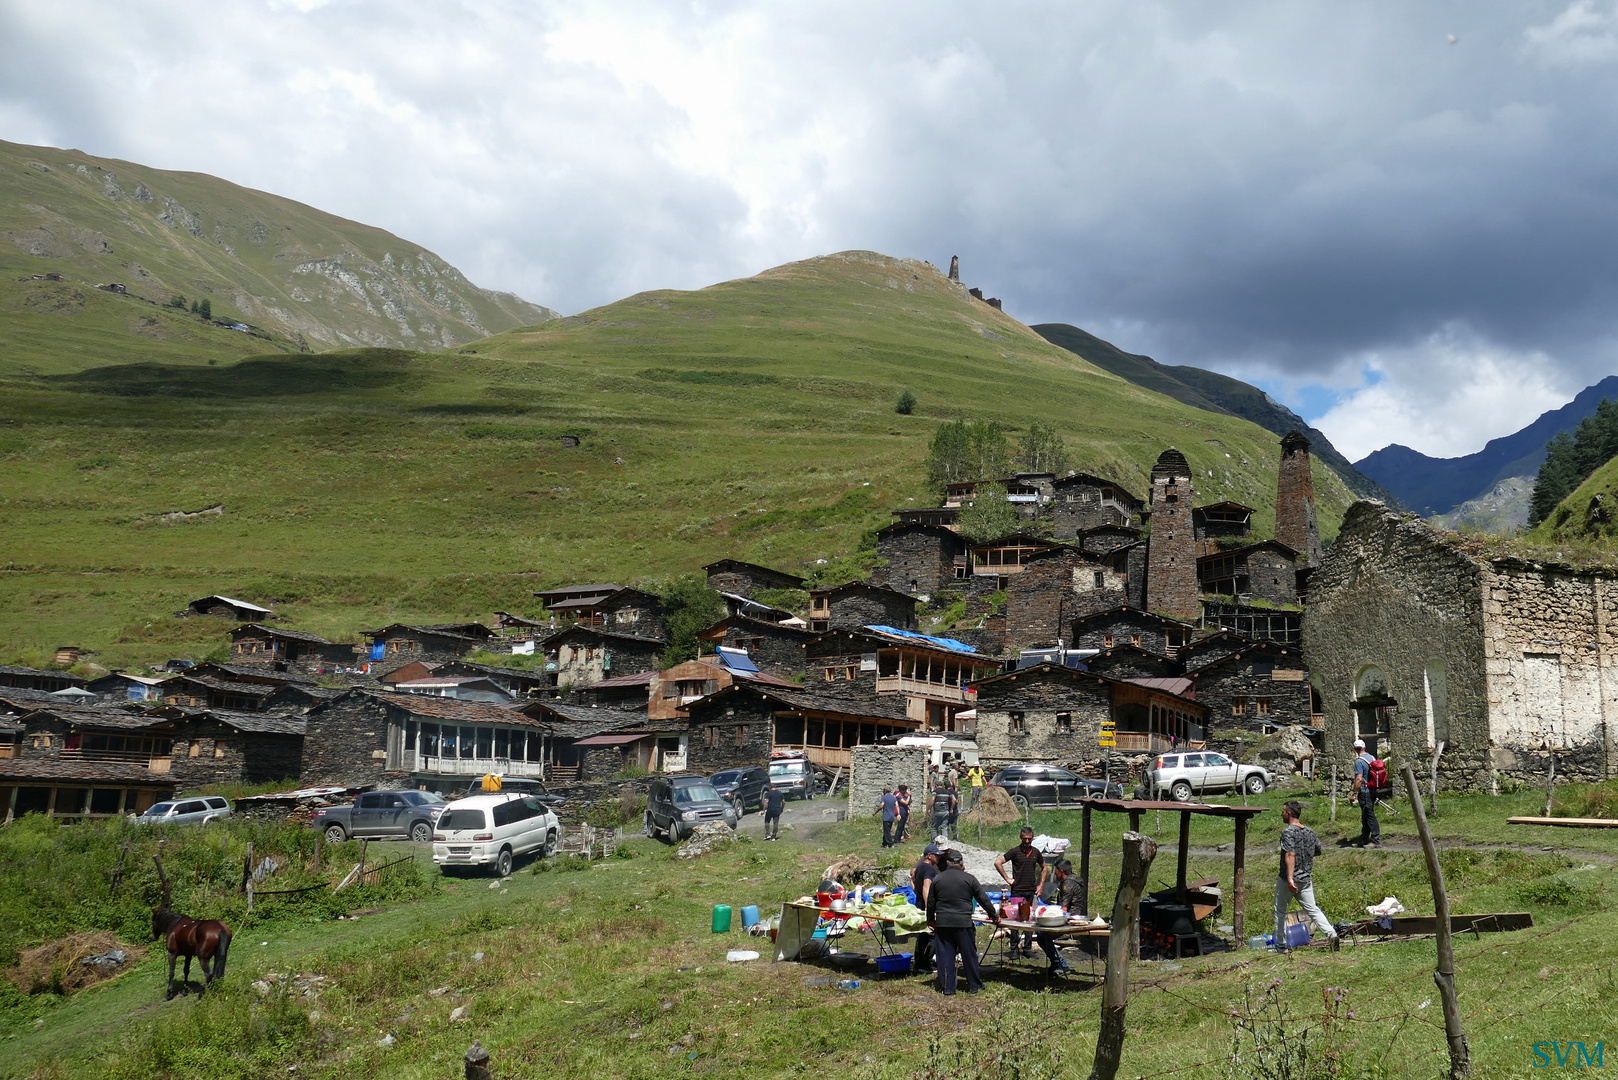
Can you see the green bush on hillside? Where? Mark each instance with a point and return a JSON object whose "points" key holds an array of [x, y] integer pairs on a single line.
{"points": [[906, 403], [689, 606]]}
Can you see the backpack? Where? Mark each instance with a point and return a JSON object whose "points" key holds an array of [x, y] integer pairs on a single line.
{"points": [[1377, 779]]}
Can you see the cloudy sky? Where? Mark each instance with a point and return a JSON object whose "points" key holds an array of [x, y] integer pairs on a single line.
{"points": [[1399, 218]]}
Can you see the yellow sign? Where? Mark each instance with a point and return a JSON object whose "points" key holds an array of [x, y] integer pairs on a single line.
{"points": [[1108, 733], [1106, 740]]}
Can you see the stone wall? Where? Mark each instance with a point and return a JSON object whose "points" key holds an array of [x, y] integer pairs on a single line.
{"points": [[1054, 588], [1295, 522], [1123, 626], [208, 752], [1549, 653], [749, 713], [1171, 576], [921, 558], [1283, 702], [346, 743], [876, 767], [776, 649], [1040, 695], [1078, 506], [860, 607], [1272, 576], [1129, 663], [1396, 614]]}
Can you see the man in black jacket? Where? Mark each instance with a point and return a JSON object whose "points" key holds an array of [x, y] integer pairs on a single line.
{"points": [[949, 917]]}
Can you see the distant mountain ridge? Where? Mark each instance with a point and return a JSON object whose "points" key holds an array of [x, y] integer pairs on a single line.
{"points": [[1432, 486], [1212, 391], [316, 279]]}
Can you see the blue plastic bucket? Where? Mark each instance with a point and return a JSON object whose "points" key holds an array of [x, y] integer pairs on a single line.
{"points": [[894, 962], [1297, 935], [750, 915]]}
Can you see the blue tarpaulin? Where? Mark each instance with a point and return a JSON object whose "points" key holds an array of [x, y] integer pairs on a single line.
{"points": [[942, 642], [378, 649]]}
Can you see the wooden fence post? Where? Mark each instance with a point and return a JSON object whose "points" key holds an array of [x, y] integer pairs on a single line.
{"points": [[1432, 779], [247, 866], [1334, 791], [1138, 854], [1550, 781], [477, 1063], [317, 851], [1460, 1057], [1239, 882]]}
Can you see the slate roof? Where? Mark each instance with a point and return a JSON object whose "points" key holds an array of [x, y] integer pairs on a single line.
{"points": [[290, 635], [228, 686], [461, 712], [887, 709], [94, 717], [60, 769], [595, 631], [582, 721], [72, 679], [640, 678], [717, 630]]}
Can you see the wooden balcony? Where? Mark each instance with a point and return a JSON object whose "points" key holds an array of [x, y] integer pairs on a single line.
{"points": [[127, 757], [830, 757], [1141, 742], [901, 684], [472, 766]]}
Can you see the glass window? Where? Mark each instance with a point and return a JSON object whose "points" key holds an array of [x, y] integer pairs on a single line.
{"points": [[1193, 761], [196, 806], [502, 741], [370, 802], [160, 808], [429, 740], [410, 735], [467, 742], [485, 742], [726, 777], [1215, 759], [686, 794], [456, 820]]}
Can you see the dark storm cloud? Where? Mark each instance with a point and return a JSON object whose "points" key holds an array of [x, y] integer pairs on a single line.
{"points": [[1301, 193]]}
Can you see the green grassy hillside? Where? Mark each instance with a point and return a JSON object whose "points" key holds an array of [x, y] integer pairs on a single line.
{"points": [[753, 418], [307, 278], [1589, 513]]}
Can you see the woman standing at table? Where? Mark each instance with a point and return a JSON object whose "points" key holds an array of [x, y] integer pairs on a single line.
{"points": [[949, 917]]}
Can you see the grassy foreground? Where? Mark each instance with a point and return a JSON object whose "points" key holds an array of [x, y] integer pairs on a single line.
{"points": [[611, 970], [751, 419]]}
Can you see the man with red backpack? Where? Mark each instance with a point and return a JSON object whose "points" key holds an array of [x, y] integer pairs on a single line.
{"points": [[1370, 777]]}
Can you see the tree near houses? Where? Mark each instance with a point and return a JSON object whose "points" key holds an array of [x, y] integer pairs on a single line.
{"points": [[1042, 450], [689, 607], [968, 450], [988, 516], [1570, 459]]}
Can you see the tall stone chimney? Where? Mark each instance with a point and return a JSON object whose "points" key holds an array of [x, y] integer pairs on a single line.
{"points": [[1171, 553], [1295, 524], [955, 268]]}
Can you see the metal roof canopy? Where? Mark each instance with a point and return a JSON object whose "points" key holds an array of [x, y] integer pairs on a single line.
{"points": [[1135, 807]]}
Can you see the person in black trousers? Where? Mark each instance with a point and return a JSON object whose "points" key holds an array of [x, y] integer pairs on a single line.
{"points": [[775, 801], [949, 917]]}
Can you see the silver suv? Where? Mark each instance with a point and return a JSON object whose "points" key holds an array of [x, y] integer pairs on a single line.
{"points": [[185, 811], [1182, 774]]}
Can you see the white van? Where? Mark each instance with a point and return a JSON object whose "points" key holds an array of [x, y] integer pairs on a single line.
{"points": [[944, 748], [492, 830]]}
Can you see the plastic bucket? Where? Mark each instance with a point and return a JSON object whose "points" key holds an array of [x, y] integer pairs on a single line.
{"points": [[894, 962], [1297, 935], [750, 915], [721, 918]]}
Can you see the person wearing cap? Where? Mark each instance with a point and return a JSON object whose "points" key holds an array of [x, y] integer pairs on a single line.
{"points": [[1027, 880], [1370, 828], [949, 917], [921, 880]]}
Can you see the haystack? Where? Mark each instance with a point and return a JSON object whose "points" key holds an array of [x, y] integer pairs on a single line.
{"points": [[994, 808], [73, 963]]}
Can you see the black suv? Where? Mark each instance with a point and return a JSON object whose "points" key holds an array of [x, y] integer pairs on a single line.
{"points": [[676, 805], [742, 787], [1048, 785]]}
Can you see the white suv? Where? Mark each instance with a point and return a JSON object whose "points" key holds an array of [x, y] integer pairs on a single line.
{"points": [[195, 811], [1183, 773], [492, 830]]}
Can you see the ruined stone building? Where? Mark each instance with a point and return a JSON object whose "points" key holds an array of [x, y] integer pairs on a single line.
{"points": [[1412, 640], [735, 576]]}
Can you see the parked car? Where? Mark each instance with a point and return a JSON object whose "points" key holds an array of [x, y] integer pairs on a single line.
{"points": [[522, 784], [1183, 774], [185, 811], [1048, 785], [492, 830], [392, 815], [793, 775], [743, 787], [676, 805]]}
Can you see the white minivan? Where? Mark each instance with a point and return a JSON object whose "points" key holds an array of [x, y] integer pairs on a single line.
{"points": [[492, 830]]}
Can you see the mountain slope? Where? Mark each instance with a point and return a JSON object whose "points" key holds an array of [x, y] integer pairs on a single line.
{"points": [[1209, 390], [308, 278], [1431, 485], [1589, 513], [753, 418]]}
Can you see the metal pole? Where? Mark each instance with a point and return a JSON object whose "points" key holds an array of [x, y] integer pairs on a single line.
{"points": [[1460, 1057]]}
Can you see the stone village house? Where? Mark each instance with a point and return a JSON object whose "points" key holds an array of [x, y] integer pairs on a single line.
{"points": [[1413, 641]]}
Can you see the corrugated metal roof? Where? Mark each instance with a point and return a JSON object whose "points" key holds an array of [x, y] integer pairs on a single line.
{"points": [[232, 603]]}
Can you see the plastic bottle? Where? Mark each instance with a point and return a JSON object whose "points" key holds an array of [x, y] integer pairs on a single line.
{"points": [[848, 984], [721, 918]]}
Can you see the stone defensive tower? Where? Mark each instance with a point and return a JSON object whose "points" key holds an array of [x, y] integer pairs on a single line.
{"points": [[1171, 555], [955, 268], [1295, 524]]}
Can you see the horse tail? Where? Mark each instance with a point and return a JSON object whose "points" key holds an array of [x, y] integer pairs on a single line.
{"points": [[224, 949]]}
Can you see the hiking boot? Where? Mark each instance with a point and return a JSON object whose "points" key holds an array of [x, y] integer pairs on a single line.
{"points": [[1372, 843]]}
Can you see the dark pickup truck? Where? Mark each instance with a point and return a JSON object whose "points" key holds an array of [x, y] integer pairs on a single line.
{"points": [[382, 814]]}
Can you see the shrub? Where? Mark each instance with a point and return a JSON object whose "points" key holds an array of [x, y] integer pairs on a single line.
{"points": [[906, 403]]}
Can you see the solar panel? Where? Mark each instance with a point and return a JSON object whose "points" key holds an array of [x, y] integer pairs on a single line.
{"points": [[736, 659]]}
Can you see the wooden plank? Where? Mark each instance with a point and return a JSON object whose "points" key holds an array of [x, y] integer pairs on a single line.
{"points": [[1428, 924], [1567, 822]]}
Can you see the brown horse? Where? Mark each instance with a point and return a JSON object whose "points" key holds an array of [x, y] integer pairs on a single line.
{"points": [[208, 941]]}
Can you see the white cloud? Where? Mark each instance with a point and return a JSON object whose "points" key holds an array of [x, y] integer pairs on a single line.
{"points": [[1582, 34], [1445, 396]]}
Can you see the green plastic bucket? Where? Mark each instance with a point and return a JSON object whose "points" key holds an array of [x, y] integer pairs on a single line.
{"points": [[721, 918]]}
